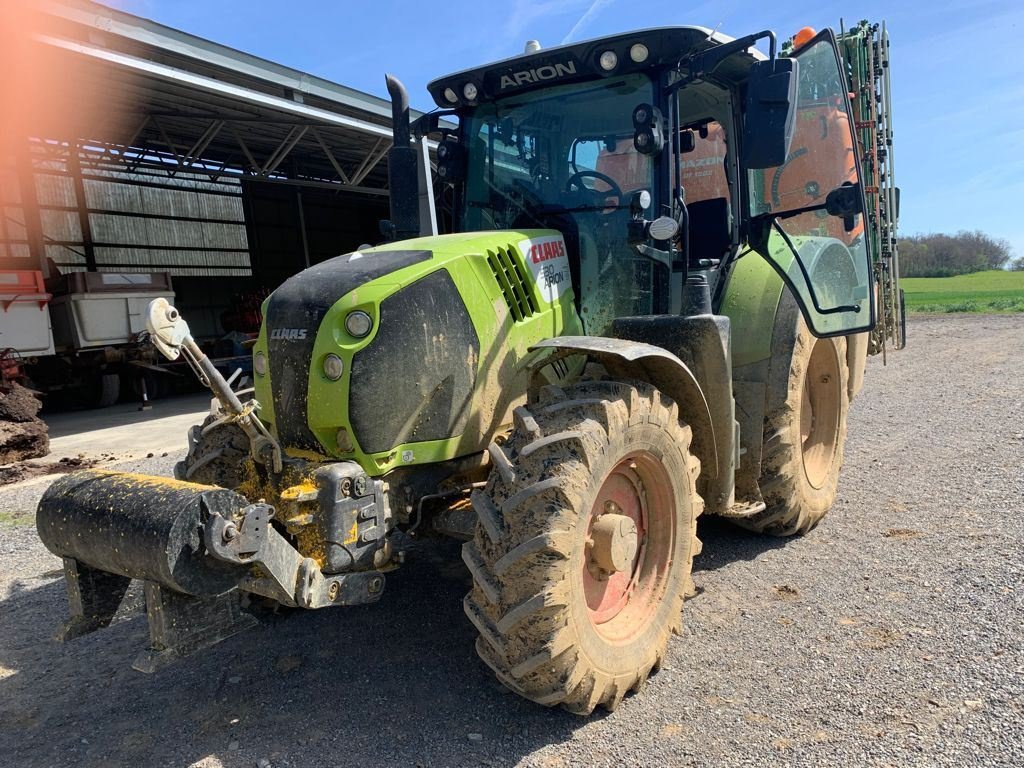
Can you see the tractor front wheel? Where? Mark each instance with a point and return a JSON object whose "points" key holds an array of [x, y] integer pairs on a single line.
{"points": [[217, 455], [585, 543]]}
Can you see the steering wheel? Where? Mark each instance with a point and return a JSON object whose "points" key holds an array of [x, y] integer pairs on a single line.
{"points": [[576, 182]]}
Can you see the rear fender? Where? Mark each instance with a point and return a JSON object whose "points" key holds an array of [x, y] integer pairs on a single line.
{"points": [[642, 362]]}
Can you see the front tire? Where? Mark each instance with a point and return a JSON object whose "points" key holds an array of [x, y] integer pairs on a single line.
{"points": [[585, 543], [218, 457]]}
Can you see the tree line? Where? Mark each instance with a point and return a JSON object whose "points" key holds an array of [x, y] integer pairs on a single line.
{"points": [[937, 255]]}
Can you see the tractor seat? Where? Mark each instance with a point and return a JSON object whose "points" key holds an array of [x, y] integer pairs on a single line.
{"points": [[710, 229]]}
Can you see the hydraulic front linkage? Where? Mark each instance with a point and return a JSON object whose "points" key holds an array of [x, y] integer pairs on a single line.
{"points": [[201, 551], [170, 334]]}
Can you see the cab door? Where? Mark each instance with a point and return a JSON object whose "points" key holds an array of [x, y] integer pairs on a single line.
{"points": [[807, 214]]}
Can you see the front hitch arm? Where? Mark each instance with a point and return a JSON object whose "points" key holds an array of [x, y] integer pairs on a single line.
{"points": [[170, 335], [279, 571]]}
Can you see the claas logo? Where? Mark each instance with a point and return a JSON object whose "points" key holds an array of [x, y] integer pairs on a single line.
{"points": [[288, 334], [553, 249]]}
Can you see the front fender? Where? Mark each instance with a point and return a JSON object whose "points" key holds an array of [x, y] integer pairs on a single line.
{"points": [[644, 362]]}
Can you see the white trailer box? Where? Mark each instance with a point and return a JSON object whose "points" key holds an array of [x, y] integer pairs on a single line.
{"points": [[24, 320], [101, 309]]}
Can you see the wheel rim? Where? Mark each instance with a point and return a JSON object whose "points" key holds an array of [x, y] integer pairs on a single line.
{"points": [[637, 492], [819, 413]]}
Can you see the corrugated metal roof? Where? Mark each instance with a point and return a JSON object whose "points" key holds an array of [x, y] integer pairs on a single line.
{"points": [[163, 90], [161, 130]]}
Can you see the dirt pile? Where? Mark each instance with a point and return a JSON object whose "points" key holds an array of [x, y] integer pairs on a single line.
{"points": [[23, 435], [15, 473]]}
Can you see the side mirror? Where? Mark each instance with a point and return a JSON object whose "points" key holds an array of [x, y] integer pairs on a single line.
{"points": [[770, 112], [429, 123], [387, 230], [687, 142]]}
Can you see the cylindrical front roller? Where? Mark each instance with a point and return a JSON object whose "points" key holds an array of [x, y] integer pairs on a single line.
{"points": [[139, 526]]}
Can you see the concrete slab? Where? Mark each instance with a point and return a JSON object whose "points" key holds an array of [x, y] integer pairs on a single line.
{"points": [[125, 431], [108, 437]]}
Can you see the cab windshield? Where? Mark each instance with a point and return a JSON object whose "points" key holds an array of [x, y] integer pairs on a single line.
{"points": [[561, 153]]}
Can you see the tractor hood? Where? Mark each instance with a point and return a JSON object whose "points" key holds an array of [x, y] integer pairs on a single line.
{"points": [[431, 368], [293, 316]]}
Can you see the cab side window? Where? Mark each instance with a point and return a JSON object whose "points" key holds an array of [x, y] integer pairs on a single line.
{"points": [[702, 170], [705, 180]]}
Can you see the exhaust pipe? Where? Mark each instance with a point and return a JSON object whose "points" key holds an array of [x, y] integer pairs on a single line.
{"points": [[403, 181]]}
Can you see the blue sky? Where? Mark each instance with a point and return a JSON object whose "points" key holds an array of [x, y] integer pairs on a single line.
{"points": [[958, 76]]}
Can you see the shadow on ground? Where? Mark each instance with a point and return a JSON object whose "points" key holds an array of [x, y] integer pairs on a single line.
{"points": [[394, 683], [726, 543]]}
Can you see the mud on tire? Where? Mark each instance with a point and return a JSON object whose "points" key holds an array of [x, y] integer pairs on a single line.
{"points": [[804, 437], [547, 628], [217, 458]]}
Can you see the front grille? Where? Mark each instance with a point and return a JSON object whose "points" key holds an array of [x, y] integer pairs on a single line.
{"points": [[514, 287]]}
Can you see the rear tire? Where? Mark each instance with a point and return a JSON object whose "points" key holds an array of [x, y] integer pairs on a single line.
{"points": [[555, 625], [804, 437], [217, 458]]}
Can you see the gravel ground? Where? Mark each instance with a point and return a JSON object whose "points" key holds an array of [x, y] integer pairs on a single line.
{"points": [[891, 635]]}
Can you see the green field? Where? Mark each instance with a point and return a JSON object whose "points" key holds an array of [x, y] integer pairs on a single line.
{"points": [[991, 291]]}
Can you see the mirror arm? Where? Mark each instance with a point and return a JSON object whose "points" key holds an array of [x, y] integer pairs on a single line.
{"points": [[684, 232], [430, 122], [706, 62]]}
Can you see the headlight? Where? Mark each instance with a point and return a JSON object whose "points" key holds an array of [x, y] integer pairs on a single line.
{"points": [[451, 96], [259, 363], [608, 61], [333, 367], [639, 53], [469, 91], [358, 323]]}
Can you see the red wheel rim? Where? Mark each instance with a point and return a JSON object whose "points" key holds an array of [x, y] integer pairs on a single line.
{"points": [[621, 604]]}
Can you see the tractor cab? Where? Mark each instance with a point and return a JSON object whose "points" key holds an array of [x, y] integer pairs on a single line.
{"points": [[664, 154]]}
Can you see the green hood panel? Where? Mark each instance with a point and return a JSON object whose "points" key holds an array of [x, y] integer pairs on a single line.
{"points": [[461, 311]]}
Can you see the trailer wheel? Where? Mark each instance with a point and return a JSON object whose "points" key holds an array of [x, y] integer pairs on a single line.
{"points": [[217, 458], [804, 437], [103, 390], [584, 546]]}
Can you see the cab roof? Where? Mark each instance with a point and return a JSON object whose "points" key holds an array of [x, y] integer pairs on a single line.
{"points": [[665, 46]]}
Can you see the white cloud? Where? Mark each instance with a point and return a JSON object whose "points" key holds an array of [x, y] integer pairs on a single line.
{"points": [[526, 14], [588, 16]]}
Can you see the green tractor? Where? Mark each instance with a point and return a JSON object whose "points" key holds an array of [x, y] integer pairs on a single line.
{"points": [[666, 257]]}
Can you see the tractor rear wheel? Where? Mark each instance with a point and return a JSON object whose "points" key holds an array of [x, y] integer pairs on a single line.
{"points": [[216, 458], [804, 437], [585, 543]]}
